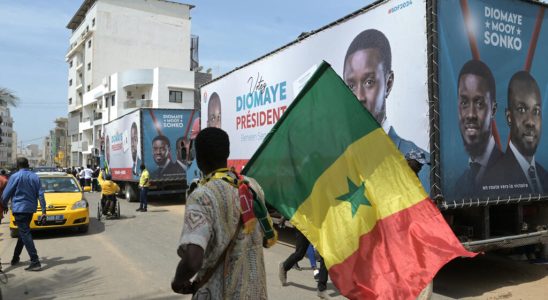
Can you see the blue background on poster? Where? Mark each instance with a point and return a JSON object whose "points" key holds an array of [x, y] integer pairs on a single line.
{"points": [[455, 52], [179, 121]]}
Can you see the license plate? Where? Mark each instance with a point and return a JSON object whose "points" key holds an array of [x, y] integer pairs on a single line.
{"points": [[54, 218]]}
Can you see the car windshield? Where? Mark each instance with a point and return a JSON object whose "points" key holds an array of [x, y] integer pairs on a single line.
{"points": [[59, 185]]}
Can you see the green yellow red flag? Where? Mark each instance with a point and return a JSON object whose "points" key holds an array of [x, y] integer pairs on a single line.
{"points": [[330, 169]]}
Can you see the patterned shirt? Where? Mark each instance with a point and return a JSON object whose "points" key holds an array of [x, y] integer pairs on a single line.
{"points": [[212, 215]]}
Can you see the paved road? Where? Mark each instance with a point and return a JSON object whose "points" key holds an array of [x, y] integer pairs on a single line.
{"points": [[134, 258]]}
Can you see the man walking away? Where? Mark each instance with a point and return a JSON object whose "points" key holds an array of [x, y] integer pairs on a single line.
{"points": [[23, 189], [227, 259], [143, 186], [88, 174]]}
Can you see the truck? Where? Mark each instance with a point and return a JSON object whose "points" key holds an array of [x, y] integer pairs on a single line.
{"points": [[455, 83], [159, 138]]}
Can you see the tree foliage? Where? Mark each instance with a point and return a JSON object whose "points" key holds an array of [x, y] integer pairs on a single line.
{"points": [[8, 97]]}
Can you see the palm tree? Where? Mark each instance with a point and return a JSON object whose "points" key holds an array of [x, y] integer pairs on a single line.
{"points": [[8, 97]]}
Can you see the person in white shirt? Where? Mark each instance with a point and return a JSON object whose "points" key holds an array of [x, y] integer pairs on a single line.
{"points": [[87, 174]]}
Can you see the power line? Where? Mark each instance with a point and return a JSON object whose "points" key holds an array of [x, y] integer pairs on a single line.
{"points": [[31, 140]]}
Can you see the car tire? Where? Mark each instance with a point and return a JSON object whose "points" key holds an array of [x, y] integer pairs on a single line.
{"points": [[83, 228], [14, 233]]}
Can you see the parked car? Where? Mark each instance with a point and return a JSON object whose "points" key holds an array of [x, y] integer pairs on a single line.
{"points": [[66, 204]]}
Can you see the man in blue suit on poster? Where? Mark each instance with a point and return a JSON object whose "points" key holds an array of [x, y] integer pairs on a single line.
{"points": [[518, 173], [368, 73], [477, 105]]}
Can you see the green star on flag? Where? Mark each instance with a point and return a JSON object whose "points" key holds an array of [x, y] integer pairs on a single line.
{"points": [[355, 195]]}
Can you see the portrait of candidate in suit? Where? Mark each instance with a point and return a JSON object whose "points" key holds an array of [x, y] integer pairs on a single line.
{"points": [[476, 109], [367, 71], [161, 151], [518, 172], [136, 161]]}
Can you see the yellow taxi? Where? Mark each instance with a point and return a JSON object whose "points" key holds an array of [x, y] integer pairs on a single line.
{"points": [[66, 205]]}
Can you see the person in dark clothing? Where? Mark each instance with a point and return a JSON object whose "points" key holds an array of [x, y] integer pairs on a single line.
{"points": [[23, 189], [301, 246]]}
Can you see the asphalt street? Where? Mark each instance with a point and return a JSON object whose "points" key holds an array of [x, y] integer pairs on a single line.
{"points": [[134, 257]]}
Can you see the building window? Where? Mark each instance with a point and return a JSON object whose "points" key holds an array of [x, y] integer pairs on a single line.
{"points": [[89, 66], [89, 87], [89, 44], [113, 99], [70, 101], [70, 82], [70, 63], [93, 22], [176, 96]]}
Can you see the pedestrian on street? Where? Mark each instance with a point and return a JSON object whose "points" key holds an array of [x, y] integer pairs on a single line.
{"points": [[23, 189], [227, 260], [3, 183], [144, 184], [94, 183], [301, 246], [87, 174]]}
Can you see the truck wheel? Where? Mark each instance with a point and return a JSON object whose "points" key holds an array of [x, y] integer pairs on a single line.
{"points": [[543, 251], [131, 193], [14, 233]]}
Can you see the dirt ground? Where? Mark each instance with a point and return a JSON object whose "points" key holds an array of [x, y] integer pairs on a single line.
{"points": [[492, 277]]}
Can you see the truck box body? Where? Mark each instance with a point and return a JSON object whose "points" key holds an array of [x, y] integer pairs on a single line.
{"points": [[402, 59], [159, 138]]}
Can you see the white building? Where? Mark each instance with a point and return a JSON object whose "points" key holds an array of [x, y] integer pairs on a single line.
{"points": [[6, 146], [31, 152], [123, 55]]}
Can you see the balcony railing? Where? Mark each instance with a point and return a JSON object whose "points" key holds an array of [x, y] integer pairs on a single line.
{"points": [[137, 103]]}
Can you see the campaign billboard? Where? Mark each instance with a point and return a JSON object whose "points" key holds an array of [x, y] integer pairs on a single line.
{"points": [[370, 50], [166, 139], [122, 146], [493, 91]]}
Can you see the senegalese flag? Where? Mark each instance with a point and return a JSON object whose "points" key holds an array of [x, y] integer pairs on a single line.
{"points": [[330, 169]]}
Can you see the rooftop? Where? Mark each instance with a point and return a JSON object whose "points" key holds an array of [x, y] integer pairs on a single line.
{"points": [[80, 15]]}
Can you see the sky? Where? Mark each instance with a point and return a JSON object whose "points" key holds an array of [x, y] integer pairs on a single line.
{"points": [[34, 41]]}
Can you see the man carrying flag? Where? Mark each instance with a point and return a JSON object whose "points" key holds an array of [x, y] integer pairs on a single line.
{"points": [[349, 190]]}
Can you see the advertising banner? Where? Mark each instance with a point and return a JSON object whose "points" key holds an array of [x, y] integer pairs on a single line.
{"points": [[372, 53], [122, 146], [166, 142], [493, 79]]}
